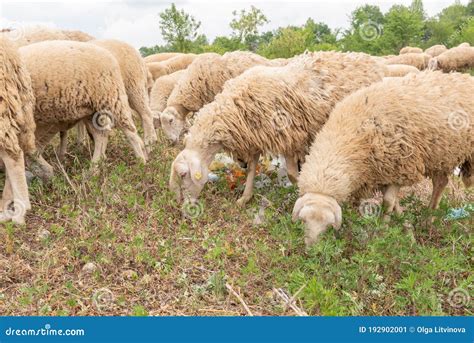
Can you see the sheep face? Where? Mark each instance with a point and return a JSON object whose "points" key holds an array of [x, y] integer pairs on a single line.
{"points": [[189, 174], [318, 212], [172, 124]]}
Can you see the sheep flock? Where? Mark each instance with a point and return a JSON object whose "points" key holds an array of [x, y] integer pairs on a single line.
{"points": [[346, 125]]}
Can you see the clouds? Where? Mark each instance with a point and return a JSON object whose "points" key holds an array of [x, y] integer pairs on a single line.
{"points": [[137, 22]]}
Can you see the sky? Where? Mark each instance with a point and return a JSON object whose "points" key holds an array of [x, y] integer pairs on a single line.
{"points": [[137, 22]]}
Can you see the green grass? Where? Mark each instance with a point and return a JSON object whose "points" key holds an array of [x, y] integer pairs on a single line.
{"points": [[152, 260]]}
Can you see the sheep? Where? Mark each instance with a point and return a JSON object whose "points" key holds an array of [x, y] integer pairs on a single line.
{"points": [[409, 49], [459, 58], [418, 60], [134, 75], [397, 70], [33, 34], [161, 91], [157, 70], [275, 110], [161, 56], [17, 128], [464, 45], [204, 79], [387, 136], [436, 50], [73, 81]]}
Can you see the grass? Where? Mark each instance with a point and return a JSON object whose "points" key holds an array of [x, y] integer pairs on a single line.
{"points": [[147, 258]]}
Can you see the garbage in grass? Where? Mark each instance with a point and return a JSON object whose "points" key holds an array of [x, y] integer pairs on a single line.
{"points": [[235, 173], [460, 212]]}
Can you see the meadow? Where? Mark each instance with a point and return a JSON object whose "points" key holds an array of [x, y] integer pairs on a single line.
{"points": [[113, 241]]}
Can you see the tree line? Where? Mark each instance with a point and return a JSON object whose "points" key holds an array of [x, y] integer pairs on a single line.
{"points": [[370, 31]]}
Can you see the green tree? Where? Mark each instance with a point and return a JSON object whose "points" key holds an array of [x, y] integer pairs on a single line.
{"points": [[365, 30], [402, 27], [288, 42], [179, 29], [245, 25]]}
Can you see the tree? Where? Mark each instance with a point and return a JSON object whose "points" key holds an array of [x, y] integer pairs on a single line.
{"points": [[179, 29], [287, 43], [245, 25], [402, 27]]}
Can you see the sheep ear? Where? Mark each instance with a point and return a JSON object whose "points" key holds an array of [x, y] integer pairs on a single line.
{"points": [[198, 171], [182, 168], [299, 204]]}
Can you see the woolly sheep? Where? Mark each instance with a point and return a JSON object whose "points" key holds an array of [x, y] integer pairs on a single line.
{"points": [[161, 56], [32, 34], [204, 79], [134, 75], [459, 58], [157, 70], [17, 129], [397, 70], [161, 91], [276, 110], [464, 45], [418, 60], [436, 50], [387, 136], [409, 49], [73, 81]]}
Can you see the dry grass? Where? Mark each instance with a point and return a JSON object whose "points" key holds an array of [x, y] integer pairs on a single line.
{"points": [[144, 257]]}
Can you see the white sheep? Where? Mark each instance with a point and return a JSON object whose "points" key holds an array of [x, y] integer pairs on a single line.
{"points": [[73, 81], [17, 129], [387, 136], [455, 59], [204, 79], [277, 110]]}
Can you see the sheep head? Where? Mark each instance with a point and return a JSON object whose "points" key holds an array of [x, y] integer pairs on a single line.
{"points": [[189, 174], [433, 63], [318, 212], [172, 123]]}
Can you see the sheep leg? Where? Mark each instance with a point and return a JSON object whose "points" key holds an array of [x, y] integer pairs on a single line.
{"points": [[62, 145], [292, 168], [138, 104], [40, 167], [81, 133], [439, 183], [251, 171], [390, 200], [136, 143], [16, 189], [100, 138]]}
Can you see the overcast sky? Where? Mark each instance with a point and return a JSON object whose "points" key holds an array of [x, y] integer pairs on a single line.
{"points": [[137, 21]]}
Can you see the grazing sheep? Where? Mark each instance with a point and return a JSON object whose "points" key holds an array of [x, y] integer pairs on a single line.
{"points": [[157, 70], [387, 136], [418, 60], [134, 75], [409, 49], [33, 34], [436, 50], [17, 128], [276, 110], [73, 81], [161, 56], [204, 79], [455, 59], [161, 91], [397, 70]]}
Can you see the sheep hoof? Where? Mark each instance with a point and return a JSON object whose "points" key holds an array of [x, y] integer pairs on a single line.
{"points": [[243, 200]]}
